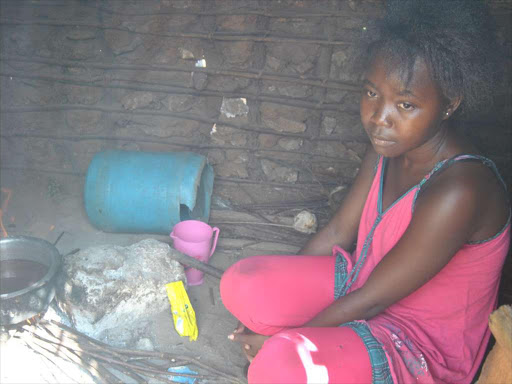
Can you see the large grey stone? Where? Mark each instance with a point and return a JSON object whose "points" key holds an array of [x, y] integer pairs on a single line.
{"points": [[79, 94], [81, 33], [273, 63], [290, 144], [292, 58], [122, 41], [216, 156], [199, 80], [229, 169], [76, 50], [283, 118], [182, 128], [328, 124], [111, 292], [341, 64], [237, 156], [267, 141], [31, 92], [236, 52], [234, 84], [160, 126], [276, 172], [137, 100], [237, 22], [180, 103], [296, 26], [287, 89], [222, 135], [84, 121], [282, 124], [233, 107], [333, 148]]}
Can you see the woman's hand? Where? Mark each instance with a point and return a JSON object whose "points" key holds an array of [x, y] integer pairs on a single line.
{"points": [[251, 342]]}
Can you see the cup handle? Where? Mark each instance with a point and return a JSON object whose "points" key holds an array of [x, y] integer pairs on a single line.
{"points": [[217, 230], [172, 235]]}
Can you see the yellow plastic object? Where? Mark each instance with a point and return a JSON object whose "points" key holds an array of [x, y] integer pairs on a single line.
{"points": [[182, 311]]}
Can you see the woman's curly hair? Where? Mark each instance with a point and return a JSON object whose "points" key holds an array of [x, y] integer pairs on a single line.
{"points": [[456, 38]]}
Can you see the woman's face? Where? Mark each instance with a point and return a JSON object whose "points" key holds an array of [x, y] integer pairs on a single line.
{"points": [[399, 117]]}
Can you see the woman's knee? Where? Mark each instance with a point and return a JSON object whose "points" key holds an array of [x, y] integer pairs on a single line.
{"points": [[283, 359], [239, 288], [312, 355], [231, 285]]}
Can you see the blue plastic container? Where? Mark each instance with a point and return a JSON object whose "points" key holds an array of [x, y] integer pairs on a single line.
{"points": [[147, 192]]}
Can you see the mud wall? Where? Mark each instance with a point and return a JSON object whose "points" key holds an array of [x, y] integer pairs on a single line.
{"points": [[259, 87]]}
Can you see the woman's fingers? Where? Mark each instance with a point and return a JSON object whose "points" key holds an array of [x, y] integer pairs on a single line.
{"points": [[249, 355], [240, 328], [251, 342], [242, 338]]}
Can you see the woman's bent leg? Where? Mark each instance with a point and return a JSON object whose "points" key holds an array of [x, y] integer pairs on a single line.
{"points": [[271, 293], [312, 355]]}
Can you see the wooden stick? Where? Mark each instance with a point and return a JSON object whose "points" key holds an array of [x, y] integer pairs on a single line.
{"points": [[168, 356], [170, 89], [178, 144], [152, 354], [214, 370], [230, 72], [74, 340], [83, 351], [68, 346], [46, 348], [100, 367], [311, 203], [250, 223], [221, 36], [303, 13], [160, 377], [109, 348], [220, 180], [194, 263], [375, 11], [130, 373]]}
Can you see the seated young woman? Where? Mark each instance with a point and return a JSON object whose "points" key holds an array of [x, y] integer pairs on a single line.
{"points": [[428, 215]]}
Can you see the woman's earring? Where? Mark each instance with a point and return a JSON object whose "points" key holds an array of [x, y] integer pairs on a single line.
{"points": [[447, 113]]}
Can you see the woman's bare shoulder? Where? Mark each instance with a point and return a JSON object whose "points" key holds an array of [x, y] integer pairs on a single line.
{"points": [[479, 188]]}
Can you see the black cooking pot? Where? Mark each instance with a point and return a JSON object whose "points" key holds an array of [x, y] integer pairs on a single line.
{"points": [[28, 266]]}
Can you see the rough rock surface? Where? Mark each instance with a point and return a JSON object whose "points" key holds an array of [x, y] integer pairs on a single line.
{"points": [[111, 292], [305, 222], [232, 107], [276, 172]]}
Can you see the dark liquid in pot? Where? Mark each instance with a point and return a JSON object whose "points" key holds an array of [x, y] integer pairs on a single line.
{"points": [[19, 274]]}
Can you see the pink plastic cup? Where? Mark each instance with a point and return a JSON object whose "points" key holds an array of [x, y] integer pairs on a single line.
{"points": [[194, 238]]}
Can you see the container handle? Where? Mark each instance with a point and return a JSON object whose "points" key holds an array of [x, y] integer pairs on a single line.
{"points": [[217, 230]]}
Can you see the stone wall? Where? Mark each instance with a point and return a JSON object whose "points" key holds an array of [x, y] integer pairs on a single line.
{"points": [[259, 87]]}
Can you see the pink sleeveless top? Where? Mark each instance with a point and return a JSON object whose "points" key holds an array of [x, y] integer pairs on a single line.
{"points": [[438, 333]]}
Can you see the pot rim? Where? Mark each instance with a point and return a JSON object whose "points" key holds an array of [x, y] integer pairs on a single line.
{"points": [[52, 269]]}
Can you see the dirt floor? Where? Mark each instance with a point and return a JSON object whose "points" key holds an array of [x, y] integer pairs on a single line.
{"points": [[46, 206]]}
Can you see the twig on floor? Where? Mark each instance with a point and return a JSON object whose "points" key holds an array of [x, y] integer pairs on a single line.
{"points": [[101, 360]]}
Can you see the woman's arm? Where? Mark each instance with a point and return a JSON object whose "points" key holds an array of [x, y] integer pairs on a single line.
{"points": [[343, 226], [446, 215]]}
